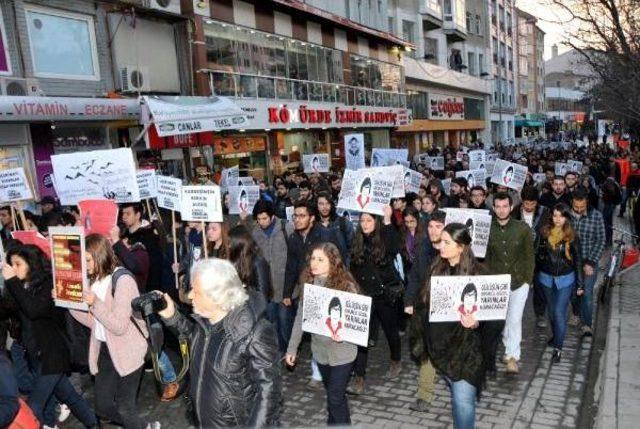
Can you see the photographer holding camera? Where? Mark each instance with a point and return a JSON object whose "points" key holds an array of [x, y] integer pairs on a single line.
{"points": [[234, 371], [117, 347]]}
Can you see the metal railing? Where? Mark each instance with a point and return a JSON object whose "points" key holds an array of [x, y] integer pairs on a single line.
{"points": [[252, 86]]}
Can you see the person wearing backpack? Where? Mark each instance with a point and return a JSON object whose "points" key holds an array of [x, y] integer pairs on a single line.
{"points": [[117, 347]]}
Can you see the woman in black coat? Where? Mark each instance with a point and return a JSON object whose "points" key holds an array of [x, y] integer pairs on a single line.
{"points": [[27, 278], [252, 267], [375, 247]]}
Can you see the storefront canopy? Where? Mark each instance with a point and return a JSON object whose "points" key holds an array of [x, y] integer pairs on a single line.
{"points": [[173, 116], [528, 123]]}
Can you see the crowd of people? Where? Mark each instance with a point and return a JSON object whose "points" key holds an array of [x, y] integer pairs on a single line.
{"points": [[236, 291]]}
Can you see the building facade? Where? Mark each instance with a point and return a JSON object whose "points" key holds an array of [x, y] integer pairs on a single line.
{"points": [[530, 121], [446, 88], [504, 69]]}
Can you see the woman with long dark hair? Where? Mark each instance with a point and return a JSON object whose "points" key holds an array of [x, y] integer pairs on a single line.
{"points": [[557, 255], [252, 268], [375, 246], [455, 348], [217, 240], [117, 346], [27, 278], [413, 236], [335, 358]]}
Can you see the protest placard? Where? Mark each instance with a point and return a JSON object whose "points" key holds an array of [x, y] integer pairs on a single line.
{"points": [[385, 157], [354, 151], [94, 175], [316, 163], [229, 177], [488, 168], [460, 156], [509, 174], [34, 238], [436, 163], [201, 204], [561, 168], [491, 157], [98, 216], [244, 181], [478, 222], [575, 166], [411, 181], [396, 172], [68, 266], [14, 186], [169, 190], [243, 198], [474, 177], [147, 183], [289, 213], [328, 311], [446, 186], [484, 297], [539, 177], [367, 190], [477, 155]]}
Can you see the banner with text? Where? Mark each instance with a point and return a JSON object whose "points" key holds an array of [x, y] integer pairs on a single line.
{"points": [[14, 186], [147, 183], [169, 190], [68, 266], [201, 203], [367, 190], [385, 157]]}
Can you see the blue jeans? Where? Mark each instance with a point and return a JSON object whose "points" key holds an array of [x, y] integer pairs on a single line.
{"points": [[335, 379], [26, 379], [166, 368], [586, 300], [557, 303], [282, 318], [463, 403], [48, 388]]}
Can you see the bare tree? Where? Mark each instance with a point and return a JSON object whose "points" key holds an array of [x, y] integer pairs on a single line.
{"points": [[606, 33]]}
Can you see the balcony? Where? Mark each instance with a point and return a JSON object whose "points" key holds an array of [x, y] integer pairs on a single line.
{"points": [[250, 86], [421, 71], [432, 18], [453, 31]]}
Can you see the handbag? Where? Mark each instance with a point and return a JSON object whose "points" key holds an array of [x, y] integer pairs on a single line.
{"points": [[394, 291]]}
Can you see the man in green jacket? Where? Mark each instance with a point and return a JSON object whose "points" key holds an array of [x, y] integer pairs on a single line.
{"points": [[510, 251]]}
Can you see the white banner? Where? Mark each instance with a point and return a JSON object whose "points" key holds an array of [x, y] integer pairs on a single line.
{"points": [[243, 198], [14, 186], [509, 174], [168, 191], [385, 157], [483, 297], [478, 222], [354, 151], [367, 190], [96, 174], [330, 312], [316, 163], [201, 203], [147, 183], [474, 177]]}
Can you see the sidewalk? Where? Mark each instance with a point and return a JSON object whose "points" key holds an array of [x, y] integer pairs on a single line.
{"points": [[619, 404]]}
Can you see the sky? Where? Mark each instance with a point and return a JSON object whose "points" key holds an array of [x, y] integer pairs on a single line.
{"points": [[546, 16]]}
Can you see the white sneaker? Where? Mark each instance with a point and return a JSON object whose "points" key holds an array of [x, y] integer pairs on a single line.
{"points": [[153, 425], [50, 427], [64, 414]]}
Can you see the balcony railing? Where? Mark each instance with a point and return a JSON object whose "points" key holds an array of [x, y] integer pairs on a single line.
{"points": [[244, 85]]}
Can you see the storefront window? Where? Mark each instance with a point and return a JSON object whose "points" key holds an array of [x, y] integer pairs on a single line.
{"points": [[473, 109], [418, 102]]}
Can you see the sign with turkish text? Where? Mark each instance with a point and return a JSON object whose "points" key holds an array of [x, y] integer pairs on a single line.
{"points": [[316, 163], [147, 183], [243, 198], [201, 204], [478, 223], [445, 107], [474, 177], [332, 313], [411, 181], [477, 155], [68, 266], [14, 186], [169, 190], [26, 109], [367, 190], [472, 297], [509, 174]]}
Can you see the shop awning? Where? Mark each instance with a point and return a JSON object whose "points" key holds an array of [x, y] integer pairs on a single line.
{"points": [[175, 115], [528, 123]]}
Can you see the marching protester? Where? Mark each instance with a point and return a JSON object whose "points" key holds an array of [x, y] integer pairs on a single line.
{"points": [[246, 257], [375, 246], [557, 195], [456, 348], [27, 278], [240, 384], [327, 217], [335, 357], [559, 269]]}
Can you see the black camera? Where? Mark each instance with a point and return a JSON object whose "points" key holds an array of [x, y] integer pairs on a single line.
{"points": [[149, 303]]}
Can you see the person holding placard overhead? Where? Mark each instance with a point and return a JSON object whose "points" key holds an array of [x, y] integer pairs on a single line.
{"points": [[455, 348], [335, 358], [375, 246]]}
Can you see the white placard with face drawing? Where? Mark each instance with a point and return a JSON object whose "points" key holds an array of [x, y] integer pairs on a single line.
{"points": [[243, 198], [367, 190], [478, 222]]}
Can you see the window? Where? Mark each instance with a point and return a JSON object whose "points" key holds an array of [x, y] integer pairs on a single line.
{"points": [[418, 101], [510, 57], [469, 23], [473, 109], [407, 31], [511, 92], [496, 85], [390, 23], [502, 54], [5, 60], [495, 50], [501, 17], [455, 60], [63, 45], [471, 63], [503, 91], [431, 50], [481, 69], [448, 10], [494, 11], [509, 24], [479, 25]]}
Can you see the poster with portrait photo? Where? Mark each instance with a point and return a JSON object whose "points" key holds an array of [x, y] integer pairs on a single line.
{"points": [[316, 163], [539, 178], [575, 166], [244, 181], [366, 191], [243, 198], [386, 157], [483, 297], [436, 163], [509, 174], [354, 151], [229, 177], [477, 155], [446, 186], [460, 156], [478, 222], [492, 156], [474, 177], [411, 180], [329, 312], [561, 168]]}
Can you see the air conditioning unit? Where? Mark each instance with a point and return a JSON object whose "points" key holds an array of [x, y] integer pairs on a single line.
{"points": [[134, 79], [20, 87], [171, 6]]}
